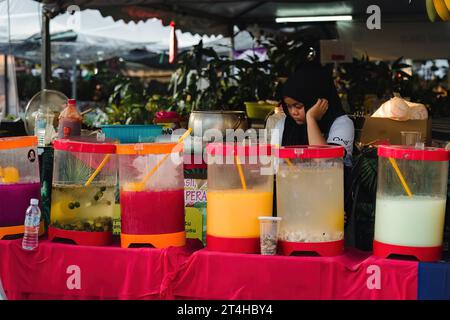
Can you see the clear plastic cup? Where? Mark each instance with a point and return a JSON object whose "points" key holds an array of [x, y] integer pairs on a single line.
{"points": [[410, 138], [269, 229]]}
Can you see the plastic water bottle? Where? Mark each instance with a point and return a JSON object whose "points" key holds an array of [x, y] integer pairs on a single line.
{"points": [[40, 125], [43, 126], [32, 221]]}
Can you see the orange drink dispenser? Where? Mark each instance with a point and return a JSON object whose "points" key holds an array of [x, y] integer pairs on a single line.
{"points": [[152, 194], [310, 199], [83, 191], [411, 201], [240, 189], [19, 182]]}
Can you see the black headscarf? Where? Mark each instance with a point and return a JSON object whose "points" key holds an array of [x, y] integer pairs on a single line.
{"points": [[306, 85]]}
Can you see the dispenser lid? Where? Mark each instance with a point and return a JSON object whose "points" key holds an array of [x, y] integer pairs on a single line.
{"points": [[149, 148], [18, 142], [310, 152], [412, 153], [84, 145], [234, 149]]}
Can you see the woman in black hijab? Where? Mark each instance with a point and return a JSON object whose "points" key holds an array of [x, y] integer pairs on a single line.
{"points": [[311, 104], [314, 113]]}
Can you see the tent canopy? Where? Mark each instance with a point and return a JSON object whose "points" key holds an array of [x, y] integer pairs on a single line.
{"points": [[405, 29], [95, 38], [69, 48], [218, 16], [22, 19]]}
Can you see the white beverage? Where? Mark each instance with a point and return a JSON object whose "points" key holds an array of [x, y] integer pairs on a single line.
{"points": [[417, 221], [310, 200]]}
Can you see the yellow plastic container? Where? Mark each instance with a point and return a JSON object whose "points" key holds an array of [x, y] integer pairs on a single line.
{"points": [[259, 111]]}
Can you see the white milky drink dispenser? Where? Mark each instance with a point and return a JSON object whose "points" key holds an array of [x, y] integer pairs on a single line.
{"points": [[411, 199]]}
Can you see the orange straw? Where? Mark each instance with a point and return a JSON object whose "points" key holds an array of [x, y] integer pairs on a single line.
{"points": [[400, 176], [288, 161], [241, 173], [155, 168], [97, 171]]}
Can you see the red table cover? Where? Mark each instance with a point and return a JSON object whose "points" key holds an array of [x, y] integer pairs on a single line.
{"points": [[354, 275], [55, 271], [64, 271]]}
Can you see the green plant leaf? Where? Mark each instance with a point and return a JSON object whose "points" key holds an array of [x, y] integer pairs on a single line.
{"points": [[368, 174]]}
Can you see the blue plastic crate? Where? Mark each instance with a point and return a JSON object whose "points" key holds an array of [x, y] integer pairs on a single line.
{"points": [[132, 133]]}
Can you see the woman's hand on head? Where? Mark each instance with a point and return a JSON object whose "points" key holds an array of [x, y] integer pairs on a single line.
{"points": [[318, 110]]}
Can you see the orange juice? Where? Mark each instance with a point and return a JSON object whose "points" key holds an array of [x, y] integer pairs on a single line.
{"points": [[234, 213]]}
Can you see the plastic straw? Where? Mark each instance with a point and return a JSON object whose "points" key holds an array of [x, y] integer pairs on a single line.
{"points": [[289, 162], [97, 171], [400, 176], [155, 168], [241, 173]]}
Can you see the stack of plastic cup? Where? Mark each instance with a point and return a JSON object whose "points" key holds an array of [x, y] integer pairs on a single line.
{"points": [[269, 229]]}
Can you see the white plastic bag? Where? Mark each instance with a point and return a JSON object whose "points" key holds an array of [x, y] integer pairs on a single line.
{"points": [[395, 108], [417, 111], [401, 110]]}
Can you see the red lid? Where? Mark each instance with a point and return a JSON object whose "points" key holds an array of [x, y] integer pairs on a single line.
{"points": [[84, 146], [233, 149], [71, 102], [310, 152], [411, 153]]}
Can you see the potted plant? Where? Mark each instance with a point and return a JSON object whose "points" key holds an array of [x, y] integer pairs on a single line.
{"points": [[205, 84], [364, 80], [257, 84]]}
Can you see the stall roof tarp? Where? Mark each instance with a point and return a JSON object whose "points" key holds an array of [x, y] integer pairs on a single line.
{"points": [[22, 19], [69, 48], [95, 37], [405, 31], [217, 16]]}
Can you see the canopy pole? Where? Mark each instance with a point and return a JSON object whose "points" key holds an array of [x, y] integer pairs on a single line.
{"points": [[7, 109], [232, 41], [74, 81], [6, 85], [46, 67]]}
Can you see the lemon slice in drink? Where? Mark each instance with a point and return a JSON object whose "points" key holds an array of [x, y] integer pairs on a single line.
{"points": [[61, 209]]}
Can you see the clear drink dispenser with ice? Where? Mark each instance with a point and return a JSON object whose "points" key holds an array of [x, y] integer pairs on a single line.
{"points": [[83, 191], [310, 199], [152, 194]]}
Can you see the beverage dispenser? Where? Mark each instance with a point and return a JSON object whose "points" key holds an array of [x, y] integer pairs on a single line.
{"points": [[411, 200], [19, 182], [83, 191], [240, 189], [310, 199], [152, 194]]}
